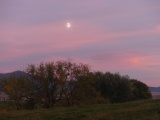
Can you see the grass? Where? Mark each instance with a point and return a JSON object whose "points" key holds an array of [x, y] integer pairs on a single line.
{"points": [[138, 110]]}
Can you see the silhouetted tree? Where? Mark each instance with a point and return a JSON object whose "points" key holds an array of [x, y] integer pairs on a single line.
{"points": [[57, 80], [139, 90], [19, 89], [114, 87], [84, 91], [68, 83]]}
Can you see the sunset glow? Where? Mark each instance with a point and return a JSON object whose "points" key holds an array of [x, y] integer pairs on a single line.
{"points": [[116, 36]]}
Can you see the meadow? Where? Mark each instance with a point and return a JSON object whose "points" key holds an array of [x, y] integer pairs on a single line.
{"points": [[138, 110]]}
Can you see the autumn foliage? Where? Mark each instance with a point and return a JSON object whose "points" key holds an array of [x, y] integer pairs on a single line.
{"points": [[65, 83]]}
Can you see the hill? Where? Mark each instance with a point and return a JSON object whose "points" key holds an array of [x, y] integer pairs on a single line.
{"points": [[155, 92], [154, 89], [15, 73], [7, 75]]}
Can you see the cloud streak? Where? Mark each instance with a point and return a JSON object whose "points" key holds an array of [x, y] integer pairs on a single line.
{"points": [[116, 36]]}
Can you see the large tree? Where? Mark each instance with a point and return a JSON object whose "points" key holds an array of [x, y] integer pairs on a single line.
{"points": [[56, 80]]}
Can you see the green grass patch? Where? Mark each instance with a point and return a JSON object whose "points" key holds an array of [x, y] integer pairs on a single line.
{"points": [[138, 110]]}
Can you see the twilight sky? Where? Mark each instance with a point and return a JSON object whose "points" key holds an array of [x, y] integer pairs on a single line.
{"points": [[110, 35]]}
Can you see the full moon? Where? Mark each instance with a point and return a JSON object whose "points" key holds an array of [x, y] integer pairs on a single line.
{"points": [[68, 25]]}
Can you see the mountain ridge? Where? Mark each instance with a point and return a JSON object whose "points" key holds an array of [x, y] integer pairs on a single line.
{"points": [[17, 73], [154, 89]]}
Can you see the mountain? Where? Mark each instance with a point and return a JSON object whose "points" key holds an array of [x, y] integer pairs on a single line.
{"points": [[154, 89], [15, 73], [7, 75]]}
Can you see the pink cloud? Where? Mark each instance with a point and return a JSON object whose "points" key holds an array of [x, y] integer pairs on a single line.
{"points": [[55, 37], [144, 61], [116, 62], [157, 28], [49, 37]]}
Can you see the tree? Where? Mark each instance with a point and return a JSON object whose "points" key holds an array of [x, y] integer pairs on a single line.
{"points": [[18, 89], [139, 90], [114, 87], [46, 83], [56, 81], [85, 91]]}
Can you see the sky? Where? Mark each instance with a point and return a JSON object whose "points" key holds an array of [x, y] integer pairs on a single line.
{"points": [[110, 35]]}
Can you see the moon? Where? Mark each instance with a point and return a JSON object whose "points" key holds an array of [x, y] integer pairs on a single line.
{"points": [[68, 25]]}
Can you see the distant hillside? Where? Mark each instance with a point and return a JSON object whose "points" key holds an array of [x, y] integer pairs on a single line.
{"points": [[7, 75], [156, 95], [154, 89], [155, 92], [15, 73]]}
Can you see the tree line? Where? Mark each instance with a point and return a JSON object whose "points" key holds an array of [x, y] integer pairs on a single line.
{"points": [[65, 83]]}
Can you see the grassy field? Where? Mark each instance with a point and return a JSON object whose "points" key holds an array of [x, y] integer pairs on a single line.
{"points": [[139, 110], [156, 95]]}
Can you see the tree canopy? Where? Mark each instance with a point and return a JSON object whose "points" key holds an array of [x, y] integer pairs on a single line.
{"points": [[67, 83]]}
